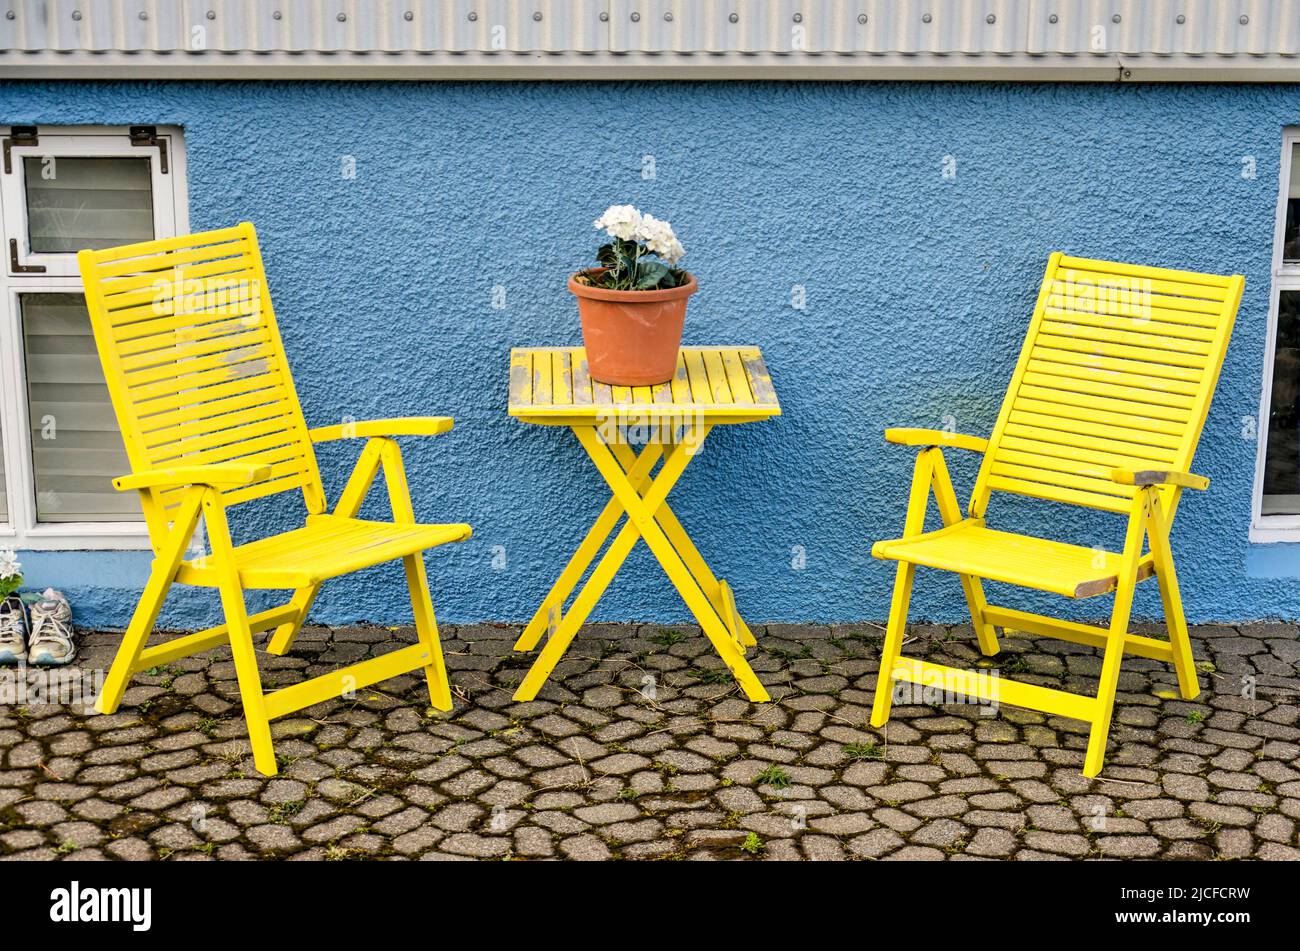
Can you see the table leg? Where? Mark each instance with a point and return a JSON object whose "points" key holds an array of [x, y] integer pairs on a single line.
{"points": [[547, 617], [642, 512], [695, 562], [606, 568]]}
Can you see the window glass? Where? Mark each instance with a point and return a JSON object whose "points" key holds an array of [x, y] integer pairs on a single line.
{"points": [[1291, 235], [87, 202], [1282, 454], [76, 445]]}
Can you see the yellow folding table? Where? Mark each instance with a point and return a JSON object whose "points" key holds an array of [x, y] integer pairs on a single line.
{"points": [[550, 386]]}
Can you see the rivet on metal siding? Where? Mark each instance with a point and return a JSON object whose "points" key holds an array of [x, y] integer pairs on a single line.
{"points": [[1244, 19], [636, 17], [798, 18], [1180, 19], [342, 18], [1116, 18], [212, 14], [276, 15], [537, 14], [990, 19], [1053, 18], [668, 18], [472, 16], [76, 14], [862, 18], [604, 16], [144, 15], [926, 18], [734, 18], [9, 14], [408, 16]]}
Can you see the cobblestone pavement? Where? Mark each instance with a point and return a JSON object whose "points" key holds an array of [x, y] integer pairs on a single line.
{"points": [[595, 768]]}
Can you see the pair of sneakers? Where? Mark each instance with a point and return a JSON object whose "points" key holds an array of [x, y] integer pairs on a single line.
{"points": [[40, 634]]}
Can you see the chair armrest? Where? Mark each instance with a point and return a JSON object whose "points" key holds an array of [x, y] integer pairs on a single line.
{"points": [[935, 437], [1146, 477], [215, 476], [406, 426]]}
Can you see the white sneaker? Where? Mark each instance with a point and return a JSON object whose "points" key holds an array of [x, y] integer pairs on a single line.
{"points": [[13, 630], [50, 642]]}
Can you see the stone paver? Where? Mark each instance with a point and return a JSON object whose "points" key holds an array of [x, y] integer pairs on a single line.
{"points": [[642, 748]]}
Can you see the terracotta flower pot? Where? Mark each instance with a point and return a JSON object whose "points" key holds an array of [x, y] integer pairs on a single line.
{"points": [[632, 337]]}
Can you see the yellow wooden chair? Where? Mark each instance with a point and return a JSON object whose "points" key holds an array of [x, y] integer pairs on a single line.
{"points": [[201, 388], [1104, 410]]}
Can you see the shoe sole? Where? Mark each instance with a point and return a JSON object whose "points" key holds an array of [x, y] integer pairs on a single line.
{"points": [[45, 660], [9, 657]]}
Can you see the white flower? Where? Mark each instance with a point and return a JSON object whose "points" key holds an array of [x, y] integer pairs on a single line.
{"points": [[626, 223], [9, 565], [658, 237], [620, 221]]}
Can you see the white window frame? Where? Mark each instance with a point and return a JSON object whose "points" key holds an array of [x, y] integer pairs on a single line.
{"points": [[1285, 277], [171, 217]]}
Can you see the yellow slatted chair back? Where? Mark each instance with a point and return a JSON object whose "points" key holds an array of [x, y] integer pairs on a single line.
{"points": [[195, 365], [1117, 371]]}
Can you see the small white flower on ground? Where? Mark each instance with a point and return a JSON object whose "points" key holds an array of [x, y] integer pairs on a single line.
{"points": [[10, 567]]}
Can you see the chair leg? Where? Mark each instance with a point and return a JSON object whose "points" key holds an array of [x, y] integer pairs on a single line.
{"points": [[165, 565], [399, 498], [893, 643], [985, 633], [133, 641], [282, 639], [950, 511], [1114, 655], [249, 677], [1110, 664], [1179, 639], [426, 625]]}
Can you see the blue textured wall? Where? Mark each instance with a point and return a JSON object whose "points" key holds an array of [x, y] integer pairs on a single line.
{"points": [[918, 292]]}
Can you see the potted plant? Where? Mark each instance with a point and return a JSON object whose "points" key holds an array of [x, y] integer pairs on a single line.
{"points": [[633, 305]]}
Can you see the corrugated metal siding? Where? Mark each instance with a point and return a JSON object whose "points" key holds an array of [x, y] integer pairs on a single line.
{"points": [[721, 30]]}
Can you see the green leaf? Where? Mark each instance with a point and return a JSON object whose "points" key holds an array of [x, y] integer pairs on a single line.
{"points": [[649, 274], [605, 255]]}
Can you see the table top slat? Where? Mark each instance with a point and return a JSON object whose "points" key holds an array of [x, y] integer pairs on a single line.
{"points": [[736, 377], [542, 390], [718, 382], [581, 378], [722, 384], [521, 378]]}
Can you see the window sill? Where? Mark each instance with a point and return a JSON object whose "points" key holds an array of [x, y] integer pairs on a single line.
{"points": [[79, 536]]}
